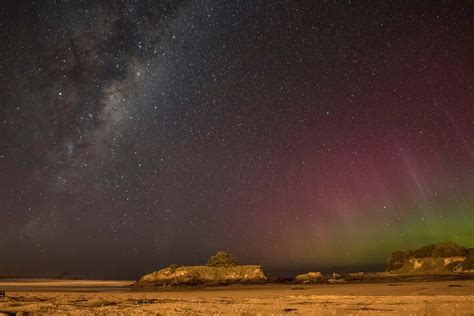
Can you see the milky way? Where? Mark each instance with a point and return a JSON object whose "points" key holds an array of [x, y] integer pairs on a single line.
{"points": [[136, 134]]}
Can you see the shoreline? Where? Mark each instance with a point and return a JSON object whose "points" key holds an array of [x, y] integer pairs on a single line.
{"points": [[45, 284], [397, 298]]}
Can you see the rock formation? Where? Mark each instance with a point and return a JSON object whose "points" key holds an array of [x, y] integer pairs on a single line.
{"points": [[204, 275], [445, 257], [310, 277], [222, 268]]}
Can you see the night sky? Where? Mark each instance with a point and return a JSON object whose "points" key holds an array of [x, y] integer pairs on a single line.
{"points": [[293, 134]]}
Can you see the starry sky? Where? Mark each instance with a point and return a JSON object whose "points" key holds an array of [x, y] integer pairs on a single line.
{"points": [[293, 134]]}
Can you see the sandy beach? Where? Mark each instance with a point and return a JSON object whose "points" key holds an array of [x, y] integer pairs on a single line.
{"points": [[117, 297]]}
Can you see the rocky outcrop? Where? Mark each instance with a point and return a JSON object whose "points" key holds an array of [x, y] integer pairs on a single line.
{"points": [[310, 277], [468, 264], [205, 275], [445, 257]]}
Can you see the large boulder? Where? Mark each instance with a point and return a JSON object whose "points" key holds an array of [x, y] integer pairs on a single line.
{"points": [[310, 277], [200, 275], [445, 257]]}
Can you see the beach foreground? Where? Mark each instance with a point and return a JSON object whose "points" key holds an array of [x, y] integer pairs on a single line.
{"points": [[116, 297]]}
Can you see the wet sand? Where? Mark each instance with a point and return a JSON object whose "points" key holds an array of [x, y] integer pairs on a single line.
{"points": [[117, 297]]}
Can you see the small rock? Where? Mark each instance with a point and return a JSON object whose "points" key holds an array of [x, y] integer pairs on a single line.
{"points": [[309, 277], [289, 310]]}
